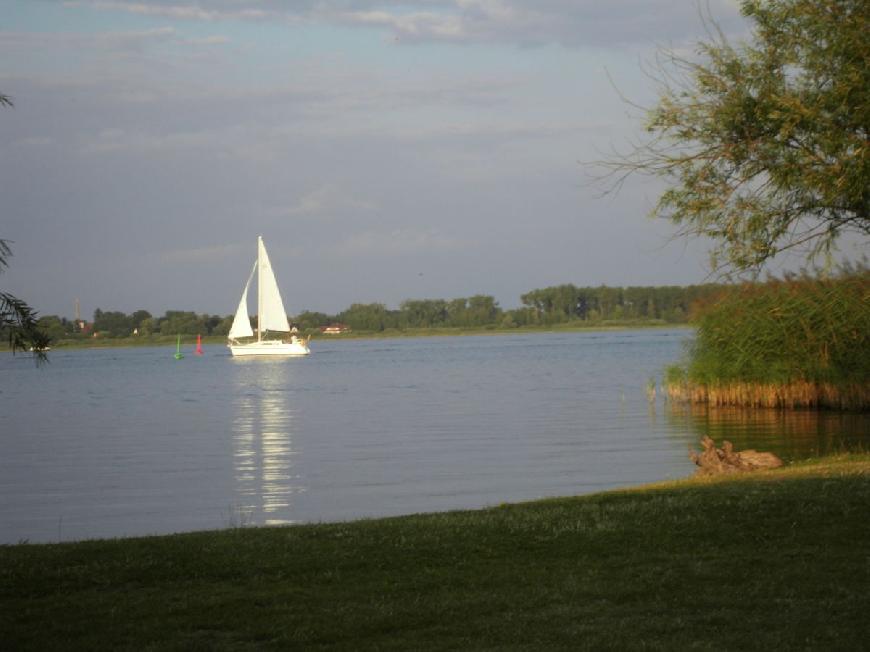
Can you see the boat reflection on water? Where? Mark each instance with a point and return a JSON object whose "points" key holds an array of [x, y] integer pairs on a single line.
{"points": [[263, 443], [791, 434]]}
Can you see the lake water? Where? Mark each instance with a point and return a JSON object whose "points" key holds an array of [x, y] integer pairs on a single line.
{"points": [[117, 442]]}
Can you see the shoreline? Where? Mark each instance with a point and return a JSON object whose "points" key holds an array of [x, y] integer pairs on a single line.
{"points": [[161, 340], [848, 462], [670, 565]]}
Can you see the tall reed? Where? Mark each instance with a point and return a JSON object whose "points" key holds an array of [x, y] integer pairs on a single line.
{"points": [[795, 342]]}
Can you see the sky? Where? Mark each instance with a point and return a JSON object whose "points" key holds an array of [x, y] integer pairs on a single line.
{"points": [[385, 150]]}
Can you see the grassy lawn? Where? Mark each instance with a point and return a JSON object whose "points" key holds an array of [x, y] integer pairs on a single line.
{"points": [[776, 560]]}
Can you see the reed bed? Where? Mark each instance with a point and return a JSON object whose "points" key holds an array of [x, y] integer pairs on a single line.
{"points": [[800, 342], [787, 395]]}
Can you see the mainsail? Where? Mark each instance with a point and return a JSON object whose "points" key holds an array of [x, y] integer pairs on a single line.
{"points": [[270, 309]]}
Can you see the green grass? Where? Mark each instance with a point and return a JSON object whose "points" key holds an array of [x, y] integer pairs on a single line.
{"points": [[777, 560]]}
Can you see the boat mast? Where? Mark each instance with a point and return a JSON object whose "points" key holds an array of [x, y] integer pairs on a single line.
{"points": [[259, 288]]}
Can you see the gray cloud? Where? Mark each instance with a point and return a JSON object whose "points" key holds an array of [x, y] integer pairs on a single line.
{"points": [[396, 242], [218, 10], [571, 23], [141, 164], [325, 202]]}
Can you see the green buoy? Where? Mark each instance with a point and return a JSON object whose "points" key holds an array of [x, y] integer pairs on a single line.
{"points": [[178, 354]]}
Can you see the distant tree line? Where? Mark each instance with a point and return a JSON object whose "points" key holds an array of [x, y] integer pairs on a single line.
{"points": [[474, 312], [547, 306], [140, 322], [559, 304], [669, 303]]}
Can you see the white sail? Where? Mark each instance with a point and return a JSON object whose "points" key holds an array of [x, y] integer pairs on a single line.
{"points": [[270, 308], [271, 316], [242, 324]]}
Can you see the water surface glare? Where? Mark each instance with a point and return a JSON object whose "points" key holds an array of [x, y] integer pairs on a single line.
{"points": [[119, 442]]}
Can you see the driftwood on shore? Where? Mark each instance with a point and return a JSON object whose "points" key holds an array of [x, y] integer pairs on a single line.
{"points": [[713, 461]]}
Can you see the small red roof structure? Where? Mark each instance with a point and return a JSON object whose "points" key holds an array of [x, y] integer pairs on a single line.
{"points": [[335, 329]]}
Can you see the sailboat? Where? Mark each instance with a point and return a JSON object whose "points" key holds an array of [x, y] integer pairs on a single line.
{"points": [[271, 317]]}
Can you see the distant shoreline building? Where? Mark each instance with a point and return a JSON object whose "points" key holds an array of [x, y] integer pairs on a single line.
{"points": [[335, 329]]}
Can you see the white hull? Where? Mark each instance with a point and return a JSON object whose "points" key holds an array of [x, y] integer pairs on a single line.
{"points": [[270, 347]]}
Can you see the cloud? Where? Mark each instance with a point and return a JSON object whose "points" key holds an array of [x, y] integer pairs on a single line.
{"points": [[174, 10], [570, 23], [115, 140], [208, 40], [472, 134], [154, 135], [112, 40], [324, 202], [394, 243], [203, 255], [34, 141], [101, 43], [419, 26]]}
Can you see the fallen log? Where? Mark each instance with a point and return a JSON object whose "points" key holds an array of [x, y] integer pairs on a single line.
{"points": [[713, 461]]}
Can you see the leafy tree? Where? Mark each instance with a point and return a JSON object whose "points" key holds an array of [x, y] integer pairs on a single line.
{"points": [[483, 309], [223, 326], [556, 304], [479, 310], [564, 303], [367, 317], [764, 143], [17, 319], [55, 328], [112, 323], [148, 326], [424, 313], [185, 323], [212, 322], [309, 320], [457, 312], [138, 317]]}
